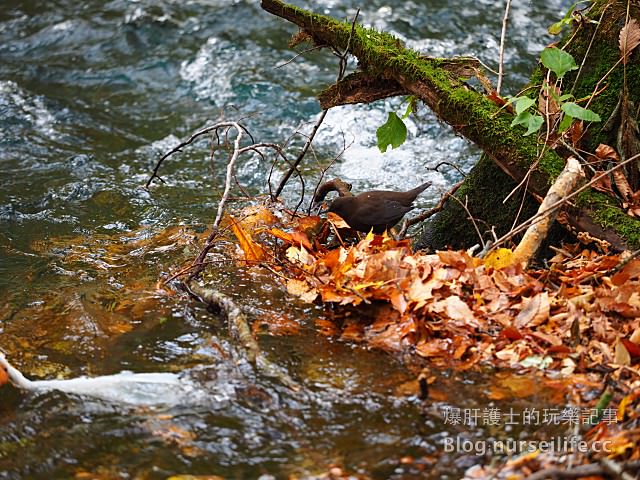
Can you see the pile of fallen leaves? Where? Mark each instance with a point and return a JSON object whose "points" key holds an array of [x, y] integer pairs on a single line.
{"points": [[579, 315], [582, 311]]}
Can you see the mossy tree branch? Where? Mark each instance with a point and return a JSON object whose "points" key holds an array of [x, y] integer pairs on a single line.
{"points": [[469, 112]]}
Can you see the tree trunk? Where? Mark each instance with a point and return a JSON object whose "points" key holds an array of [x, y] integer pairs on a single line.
{"points": [[387, 68]]}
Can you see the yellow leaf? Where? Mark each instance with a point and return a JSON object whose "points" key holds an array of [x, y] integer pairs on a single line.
{"points": [[499, 259], [623, 406]]}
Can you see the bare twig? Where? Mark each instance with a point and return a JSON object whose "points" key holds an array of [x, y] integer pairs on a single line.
{"points": [[431, 212], [586, 54], [301, 155], [561, 202], [341, 72], [306, 50], [239, 326], [324, 170], [451, 164], [473, 220], [503, 35]]}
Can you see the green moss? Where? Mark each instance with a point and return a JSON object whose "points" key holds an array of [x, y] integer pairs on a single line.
{"points": [[483, 191], [607, 213]]}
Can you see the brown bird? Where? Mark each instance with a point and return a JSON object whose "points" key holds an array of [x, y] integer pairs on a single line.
{"points": [[377, 210]]}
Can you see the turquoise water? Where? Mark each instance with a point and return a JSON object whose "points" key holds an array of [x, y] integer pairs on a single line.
{"points": [[91, 94]]}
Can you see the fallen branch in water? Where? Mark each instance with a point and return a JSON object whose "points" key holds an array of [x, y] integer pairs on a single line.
{"points": [[146, 389], [239, 326]]}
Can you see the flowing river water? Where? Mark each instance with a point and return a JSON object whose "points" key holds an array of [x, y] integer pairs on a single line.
{"points": [[91, 94]]}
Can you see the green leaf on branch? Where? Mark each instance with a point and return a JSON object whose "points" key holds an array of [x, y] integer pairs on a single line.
{"points": [[576, 111], [411, 107], [393, 132], [565, 123], [532, 122], [556, 28], [523, 104], [558, 61]]}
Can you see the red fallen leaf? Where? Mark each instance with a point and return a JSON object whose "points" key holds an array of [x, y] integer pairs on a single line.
{"points": [[501, 102], [559, 349], [630, 271], [4, 378], [632, 348], [511, 333]]}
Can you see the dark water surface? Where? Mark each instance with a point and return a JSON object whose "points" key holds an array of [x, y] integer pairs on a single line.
{"points": [[91, 93]]}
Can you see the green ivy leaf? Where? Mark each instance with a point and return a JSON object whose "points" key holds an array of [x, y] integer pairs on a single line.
{"points": [[558, 61], [523, 104], [576, 111], [556, 28], [532, 122], [393, 132], [565, 123]]}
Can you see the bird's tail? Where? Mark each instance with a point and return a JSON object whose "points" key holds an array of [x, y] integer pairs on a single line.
{"points": [[418, 190]]}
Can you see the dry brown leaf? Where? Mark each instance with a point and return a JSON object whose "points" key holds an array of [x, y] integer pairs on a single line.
{"points": [[300, 288], [535, 311], [337, 221], [634, 205], [604, 185], [547, 104], [622, 356], [629, 39], [577, 132], [605, 152], [456, 310], [435, 347], [622, 184], [299, 256]]}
